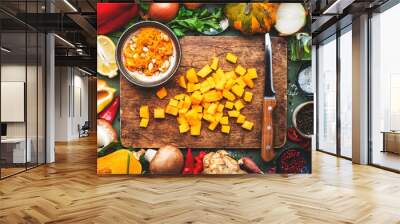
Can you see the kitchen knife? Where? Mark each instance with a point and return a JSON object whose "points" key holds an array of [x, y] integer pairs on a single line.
{"points": [[269, 104]]}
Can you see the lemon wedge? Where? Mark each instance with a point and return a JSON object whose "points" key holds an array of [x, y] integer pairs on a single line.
{"points": [[106, 64]]}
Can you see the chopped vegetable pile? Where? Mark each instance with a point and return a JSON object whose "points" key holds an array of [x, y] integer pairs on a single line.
{"points": [[148, 51], [212, 95]]}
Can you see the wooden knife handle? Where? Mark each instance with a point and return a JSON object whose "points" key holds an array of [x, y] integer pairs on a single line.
{"points": [[267, 147]]}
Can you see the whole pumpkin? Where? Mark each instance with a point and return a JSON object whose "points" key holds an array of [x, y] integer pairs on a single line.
{"points": [[251, 18]]}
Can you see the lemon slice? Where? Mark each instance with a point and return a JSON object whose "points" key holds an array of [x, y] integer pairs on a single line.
{"points": [[106, 64]]}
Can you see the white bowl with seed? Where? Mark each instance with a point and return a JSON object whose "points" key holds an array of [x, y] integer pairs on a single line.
{"points": [[152, 73]]}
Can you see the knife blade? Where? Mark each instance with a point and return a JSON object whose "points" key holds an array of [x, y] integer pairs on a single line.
{"points": [[269, 104]]}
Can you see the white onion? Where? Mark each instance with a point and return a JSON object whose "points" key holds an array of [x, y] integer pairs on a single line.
{"points": [[290, 18]]}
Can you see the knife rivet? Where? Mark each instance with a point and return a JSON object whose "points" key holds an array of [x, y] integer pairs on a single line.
{"points": [[269, 108], [269, 128], [268, 147]]}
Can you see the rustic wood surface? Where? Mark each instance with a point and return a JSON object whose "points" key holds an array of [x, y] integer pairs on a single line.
{"points": [[197, 52], [69, 191]]}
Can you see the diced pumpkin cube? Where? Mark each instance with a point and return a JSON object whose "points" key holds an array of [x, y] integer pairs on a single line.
{"points": [[196, 98], [220, 108], [187, 102], [182, 82], [195, 130], [220, 83], [213, 125], [208, 117], [204, 86], [173, 102], [230, 75], [144, 112], [218, 116], [159, 113], [236, 89], [181, 119], [212, 108], [191, 87], [212, 96], [144, 122], [162, 93], [228, 95], [219, 73], [225, 129], [182, 111], [231, 58], [247, 125], [171, 110], [205, 105], [224, 120], [248, 96], [211, 82], [241, 119], [197, 108], [229, 83], [180, 96], [248, 81], [214, 63], [183, 128], [239, 81], [192, 117], [229, 105], [252, 73], [191, 76], [206, 70], [240, 70], [239, 105], [233, 113]]}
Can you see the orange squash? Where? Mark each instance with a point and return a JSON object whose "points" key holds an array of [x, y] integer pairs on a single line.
{"points": [[251, 18], [121, 161]]}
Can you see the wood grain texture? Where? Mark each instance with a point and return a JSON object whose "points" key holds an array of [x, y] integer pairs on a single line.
{"points": [[69, 191], [197, 52]]}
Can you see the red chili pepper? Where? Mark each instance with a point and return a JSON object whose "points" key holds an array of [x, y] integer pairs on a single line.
{"points": [[198, 168], [112, 16], [110, 112], [294, 136], [189, 163]]}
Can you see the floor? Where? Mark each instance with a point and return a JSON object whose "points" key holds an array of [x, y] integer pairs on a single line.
{"points": [[387, 159], [69, 191]]}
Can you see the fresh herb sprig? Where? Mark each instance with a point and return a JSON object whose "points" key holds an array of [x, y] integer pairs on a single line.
{"points": [[198, 20]]}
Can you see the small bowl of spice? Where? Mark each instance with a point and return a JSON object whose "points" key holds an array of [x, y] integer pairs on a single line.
{"points": [[148, 54], [303, 119]]}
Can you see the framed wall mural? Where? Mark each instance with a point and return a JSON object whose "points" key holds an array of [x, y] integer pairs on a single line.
{"points": [[201, 89]]}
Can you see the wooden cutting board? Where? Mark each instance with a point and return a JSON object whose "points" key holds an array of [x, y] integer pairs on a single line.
{"points": [[197, 52]]}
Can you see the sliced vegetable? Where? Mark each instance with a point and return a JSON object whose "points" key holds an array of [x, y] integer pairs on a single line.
{"points": [[119, 162], [189, 163], [112, 16], [198, 167], [290, 18], [111, 111], [105, 95], [106, 134]]}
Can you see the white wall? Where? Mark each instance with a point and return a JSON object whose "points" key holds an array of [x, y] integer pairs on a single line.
{"points": [[71, 93]]}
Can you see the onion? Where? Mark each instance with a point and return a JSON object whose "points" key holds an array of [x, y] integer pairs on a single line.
{"points": [[105, 133], [167, 160], [193, 5], [163, 12], [290, 18]]}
